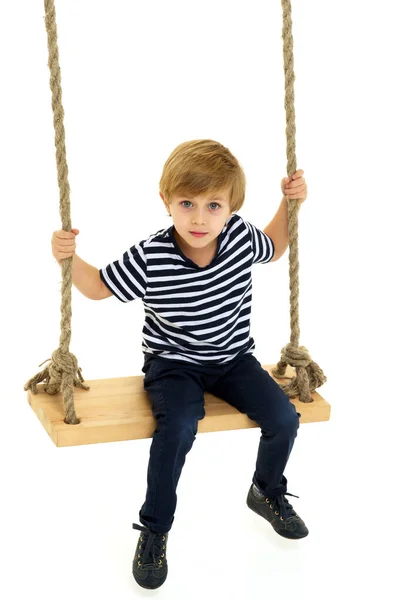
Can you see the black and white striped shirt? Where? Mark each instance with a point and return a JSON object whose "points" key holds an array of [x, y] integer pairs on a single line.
{"points": [[194, 314]]}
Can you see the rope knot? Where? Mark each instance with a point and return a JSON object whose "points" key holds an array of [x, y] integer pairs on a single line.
{"points": [[61, 374], [296, 356], [63, 364], [309, 376]]}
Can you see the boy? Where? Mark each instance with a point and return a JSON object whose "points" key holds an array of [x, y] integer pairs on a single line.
{"points": [[194, 279]]}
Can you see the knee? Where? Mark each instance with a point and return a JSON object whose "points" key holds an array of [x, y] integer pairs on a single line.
{"points": [[182, 426], [291, 423], [286, 425]]}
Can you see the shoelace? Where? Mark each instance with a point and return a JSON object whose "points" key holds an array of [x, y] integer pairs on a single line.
{"points": [[285, 508], [153, 546]]}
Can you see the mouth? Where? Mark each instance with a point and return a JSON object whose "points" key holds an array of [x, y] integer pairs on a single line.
{"points": [[198, 233]]}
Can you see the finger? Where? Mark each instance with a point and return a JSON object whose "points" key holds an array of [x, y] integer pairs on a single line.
{"points": [[296, 196], [65, 243], [64, 235], [298, 177], [299, 173], [296, 192], [295, 184]]}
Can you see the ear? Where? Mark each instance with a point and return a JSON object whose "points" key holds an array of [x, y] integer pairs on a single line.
{"points": [[165, 204]]}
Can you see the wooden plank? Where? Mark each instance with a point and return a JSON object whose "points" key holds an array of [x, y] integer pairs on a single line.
{"points": [[119, 409]]}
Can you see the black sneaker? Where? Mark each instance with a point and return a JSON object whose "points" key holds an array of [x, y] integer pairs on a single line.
{"points": [[150, 567], [278, 512]]}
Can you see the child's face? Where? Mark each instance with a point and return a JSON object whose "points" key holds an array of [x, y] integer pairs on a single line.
{"points": [[206, 213]]}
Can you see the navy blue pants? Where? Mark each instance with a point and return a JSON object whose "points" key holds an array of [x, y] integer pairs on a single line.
{"points": [[176, 390]]}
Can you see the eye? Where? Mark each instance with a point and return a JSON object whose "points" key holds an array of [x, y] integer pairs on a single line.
{"points": [[188, 202]]}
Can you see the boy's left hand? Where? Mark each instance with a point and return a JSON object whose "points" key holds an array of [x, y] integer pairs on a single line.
{"points": [[295, 188]]}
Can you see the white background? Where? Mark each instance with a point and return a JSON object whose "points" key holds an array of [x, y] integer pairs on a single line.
{"points": [[138, 79]]}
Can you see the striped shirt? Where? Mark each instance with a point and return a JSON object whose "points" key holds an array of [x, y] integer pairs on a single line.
{"points": [[195, 314]]}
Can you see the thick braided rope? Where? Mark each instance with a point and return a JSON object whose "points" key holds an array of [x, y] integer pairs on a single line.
{"points": [[63, 372], [309, 375]]}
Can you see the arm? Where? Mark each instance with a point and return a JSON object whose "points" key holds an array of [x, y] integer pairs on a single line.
{"points": [[87, 280], [278, 230]]}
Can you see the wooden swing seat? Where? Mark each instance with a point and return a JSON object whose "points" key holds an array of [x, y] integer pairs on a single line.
{"points": [[119, 409]]}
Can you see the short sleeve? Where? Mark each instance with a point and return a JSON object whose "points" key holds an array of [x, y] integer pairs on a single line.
{"points": [[126, 277], [262, 245]]}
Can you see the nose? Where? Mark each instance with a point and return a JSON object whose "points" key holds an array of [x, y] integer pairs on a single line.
{"points": [[198, 218]]}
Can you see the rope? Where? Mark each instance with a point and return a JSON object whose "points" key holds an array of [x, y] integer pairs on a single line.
{"points": [[63, 372], [309, 375]]}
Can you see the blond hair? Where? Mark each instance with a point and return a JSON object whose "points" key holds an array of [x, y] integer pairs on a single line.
{"points": [[203, 167]]}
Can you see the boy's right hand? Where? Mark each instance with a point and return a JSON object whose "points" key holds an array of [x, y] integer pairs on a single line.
{"points": [[63, 244]]}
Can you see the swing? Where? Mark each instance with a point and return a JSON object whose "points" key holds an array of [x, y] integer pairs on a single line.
{"points": [[119, 409]]}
